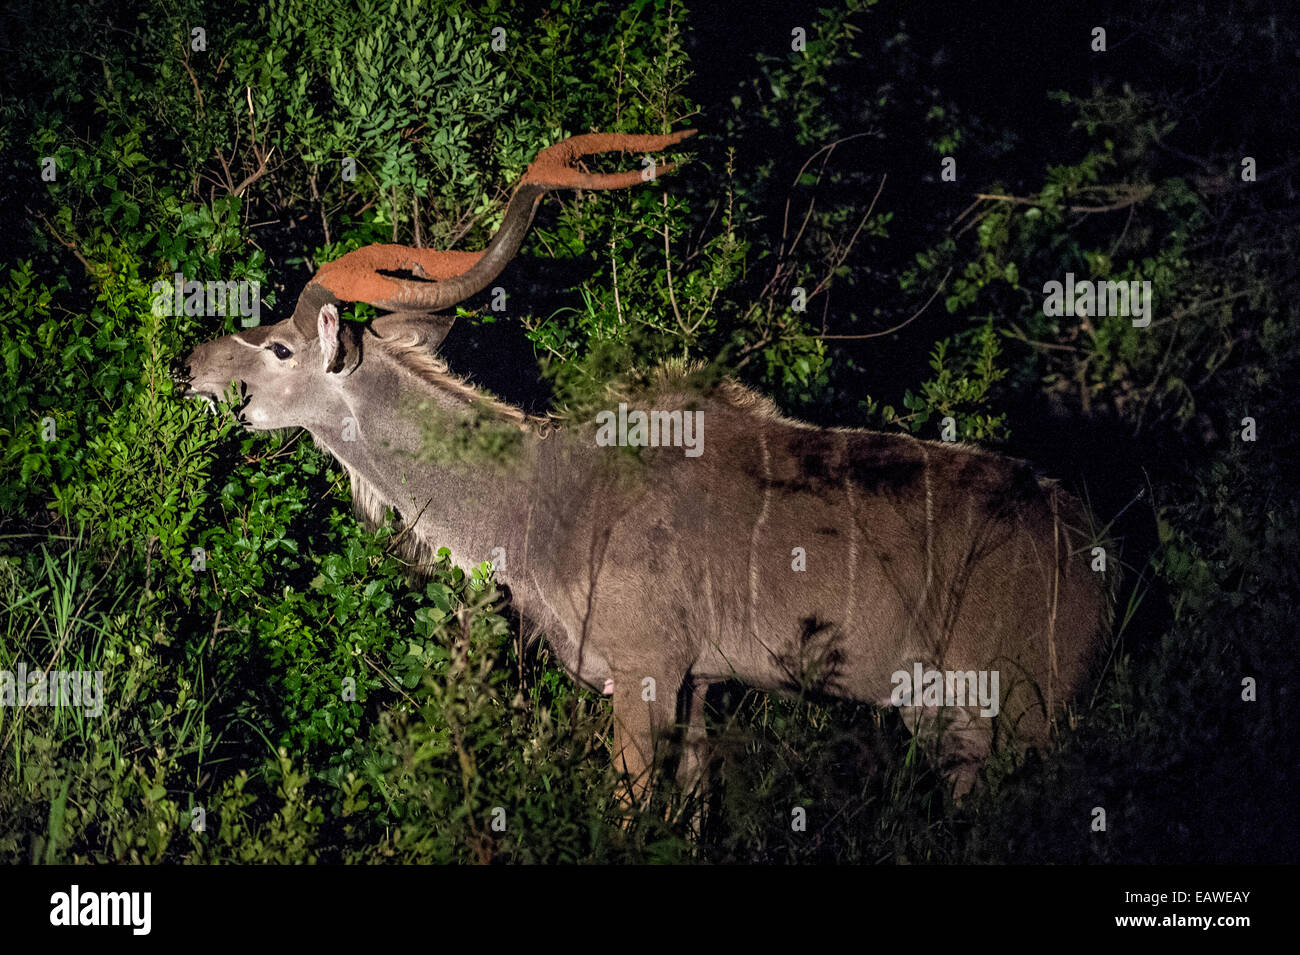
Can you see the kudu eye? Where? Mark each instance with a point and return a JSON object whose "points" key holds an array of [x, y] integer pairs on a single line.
{"points": [[281, 352]]}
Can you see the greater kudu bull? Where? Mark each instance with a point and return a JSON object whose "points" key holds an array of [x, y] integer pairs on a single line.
{"points": [[861, 564]]}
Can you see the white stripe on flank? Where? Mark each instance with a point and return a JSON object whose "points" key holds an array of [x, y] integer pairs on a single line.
{"points": [[929, 526], [528, 520], [714, 624], [1056, 589], [753, 537], [853, 531]]}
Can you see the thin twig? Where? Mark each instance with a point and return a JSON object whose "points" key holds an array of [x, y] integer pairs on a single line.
{"points": [[185, 61], [613, 261], [827, 149], [852, 239], [915, 315], [668, 266], [67, 244], [1135, 195]]}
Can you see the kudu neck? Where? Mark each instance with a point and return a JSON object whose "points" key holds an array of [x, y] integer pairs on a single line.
{"points": [[457, 466]]}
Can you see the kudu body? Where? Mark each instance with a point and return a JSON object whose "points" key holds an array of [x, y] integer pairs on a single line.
{"points": [[786, 556]]}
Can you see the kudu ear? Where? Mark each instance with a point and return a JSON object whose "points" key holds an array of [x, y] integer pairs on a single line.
{"points": [[428, 329], [327, 331]]}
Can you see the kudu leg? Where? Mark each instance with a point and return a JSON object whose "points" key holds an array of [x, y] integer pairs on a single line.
{"points": [[961, 738], [644, 710], [694, 762]]}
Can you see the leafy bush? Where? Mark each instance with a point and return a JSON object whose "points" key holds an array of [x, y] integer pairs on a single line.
{"points": [[277, 686]]}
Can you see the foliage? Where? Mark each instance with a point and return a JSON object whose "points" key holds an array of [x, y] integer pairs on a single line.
{"points": [[271, 669]]}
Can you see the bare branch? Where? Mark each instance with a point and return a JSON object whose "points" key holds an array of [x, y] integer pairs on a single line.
{"points": [[1132, 194], [915, 315]]}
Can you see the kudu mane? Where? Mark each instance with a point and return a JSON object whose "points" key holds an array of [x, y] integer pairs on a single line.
{"points": [[413, 353], [440, 278]]}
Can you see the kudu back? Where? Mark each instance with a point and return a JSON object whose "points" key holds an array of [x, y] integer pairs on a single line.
{"points": [[933, 576]]}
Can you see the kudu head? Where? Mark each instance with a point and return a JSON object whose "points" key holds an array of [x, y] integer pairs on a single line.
{"points": [[295, 373]]}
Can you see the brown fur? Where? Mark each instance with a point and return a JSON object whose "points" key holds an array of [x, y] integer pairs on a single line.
{"points": [[661, 572]]}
